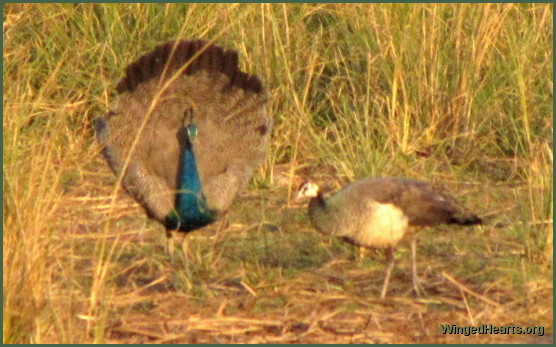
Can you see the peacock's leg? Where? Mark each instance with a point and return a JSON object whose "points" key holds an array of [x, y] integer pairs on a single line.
{"points": [[223, 224], [186, 255], [170, 247], [389, 252]]}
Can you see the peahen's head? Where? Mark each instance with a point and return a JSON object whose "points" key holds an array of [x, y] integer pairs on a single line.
{"points": [[307, 189]]}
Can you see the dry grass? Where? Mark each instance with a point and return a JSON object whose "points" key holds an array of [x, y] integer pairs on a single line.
{"points": [[456, 94]]}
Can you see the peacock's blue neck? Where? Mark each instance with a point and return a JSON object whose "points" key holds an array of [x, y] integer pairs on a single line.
{"points": [[191, 210]]}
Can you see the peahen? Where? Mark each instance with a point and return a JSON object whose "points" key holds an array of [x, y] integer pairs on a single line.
{"points": [[377, 213], [186, 132]]}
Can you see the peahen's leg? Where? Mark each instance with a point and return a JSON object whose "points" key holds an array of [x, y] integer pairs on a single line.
{"points": [[389, 252], [417, 287], [362, 253]]}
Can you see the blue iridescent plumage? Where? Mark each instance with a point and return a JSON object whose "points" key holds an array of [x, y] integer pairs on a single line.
{"points": [[191, 211]]}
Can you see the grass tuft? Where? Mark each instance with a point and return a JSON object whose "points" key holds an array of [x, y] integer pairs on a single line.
{"points": [[457, 94]]}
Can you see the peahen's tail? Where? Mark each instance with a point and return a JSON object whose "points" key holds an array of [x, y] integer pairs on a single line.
{"points": [[465, 219]]}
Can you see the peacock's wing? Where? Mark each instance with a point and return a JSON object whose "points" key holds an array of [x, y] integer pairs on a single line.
{"points": [[165, 90]]}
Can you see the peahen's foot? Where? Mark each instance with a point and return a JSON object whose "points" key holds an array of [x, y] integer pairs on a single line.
{"points": [[418, 288]]}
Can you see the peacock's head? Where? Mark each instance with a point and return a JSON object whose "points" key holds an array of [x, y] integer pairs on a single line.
{"points": [[307, 189]]}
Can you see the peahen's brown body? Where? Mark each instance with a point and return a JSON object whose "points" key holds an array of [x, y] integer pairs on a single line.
{"points": [[379, 212], [186, 96]]}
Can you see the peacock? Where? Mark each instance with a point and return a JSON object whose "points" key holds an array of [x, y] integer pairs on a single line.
{"points": [[186, 132], [379, 212]]}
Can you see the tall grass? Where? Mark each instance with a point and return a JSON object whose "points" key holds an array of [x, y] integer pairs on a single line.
{"points": [[443, 92]]}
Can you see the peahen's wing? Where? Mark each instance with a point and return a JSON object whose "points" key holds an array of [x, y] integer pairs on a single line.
{"points": [[175, 84], [419, 201]]}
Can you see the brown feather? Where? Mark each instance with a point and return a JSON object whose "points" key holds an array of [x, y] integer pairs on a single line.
{"points": [[227, 105]]}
